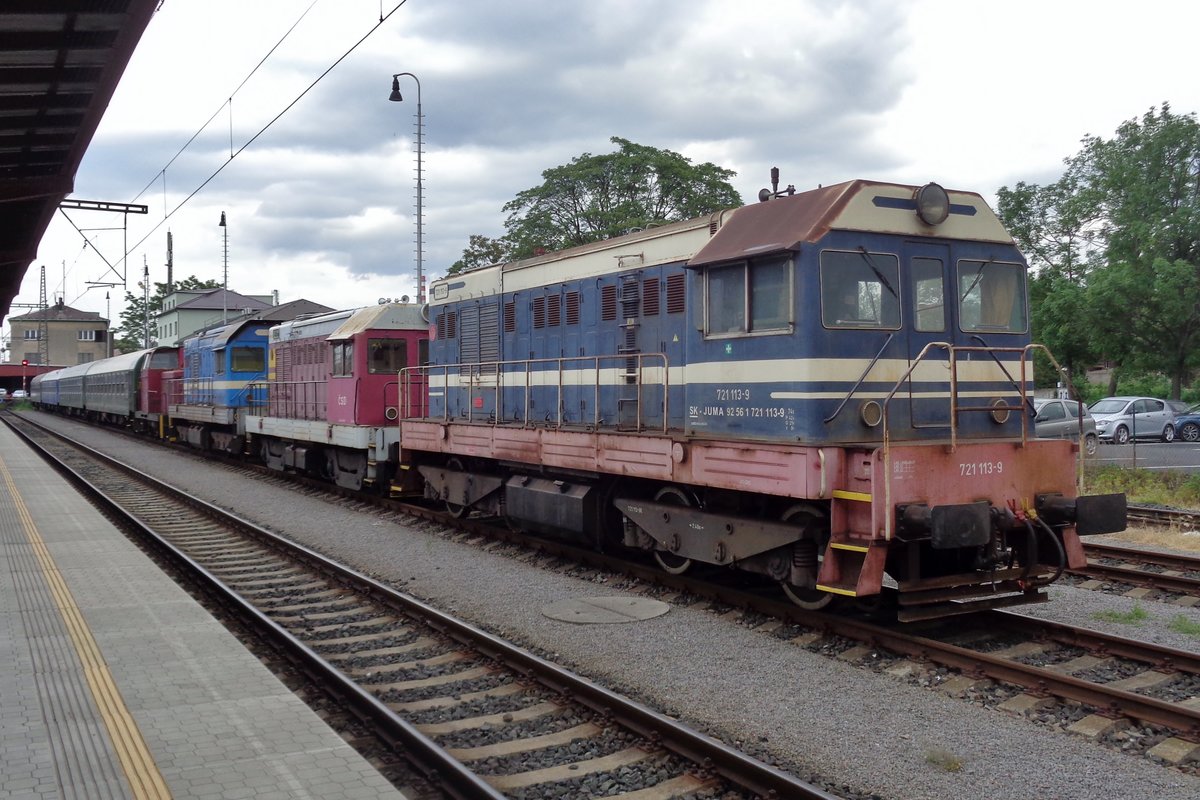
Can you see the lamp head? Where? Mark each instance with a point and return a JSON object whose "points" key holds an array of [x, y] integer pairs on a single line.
{"points": [[395, 97], [221, 224]]}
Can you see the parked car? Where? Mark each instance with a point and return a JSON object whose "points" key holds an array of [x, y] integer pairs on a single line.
{"points": [[3, 394], [1059, 419], [1187, 421], [1119, 419], [19, 394]]}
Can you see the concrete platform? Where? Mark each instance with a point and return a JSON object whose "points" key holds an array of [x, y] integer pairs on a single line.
{"points": [[114, 683]]}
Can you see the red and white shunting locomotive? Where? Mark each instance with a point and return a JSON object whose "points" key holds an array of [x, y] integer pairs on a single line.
{"points": [[829, 389]]}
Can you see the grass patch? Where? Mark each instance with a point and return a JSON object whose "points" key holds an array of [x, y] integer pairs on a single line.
{"points": [[1133, 616], [943, 760], [1181, 624], [1147, 487]]}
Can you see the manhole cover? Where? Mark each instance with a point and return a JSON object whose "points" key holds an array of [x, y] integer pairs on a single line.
{"points": [[605, 610]]}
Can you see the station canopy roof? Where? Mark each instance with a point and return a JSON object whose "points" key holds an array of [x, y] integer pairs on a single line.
{"points": [[60, 61]]}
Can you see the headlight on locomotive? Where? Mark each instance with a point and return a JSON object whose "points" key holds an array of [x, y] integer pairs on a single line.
{"points": [[933, 204]]}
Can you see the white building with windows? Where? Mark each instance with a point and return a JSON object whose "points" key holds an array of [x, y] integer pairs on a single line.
{"points": [[187, 311]]}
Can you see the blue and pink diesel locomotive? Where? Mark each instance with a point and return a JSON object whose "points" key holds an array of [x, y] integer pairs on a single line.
{"points": [[829, 390]]}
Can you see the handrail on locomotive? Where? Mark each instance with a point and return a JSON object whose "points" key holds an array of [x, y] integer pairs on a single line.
{"points": [[485, 375], [953, 352]]}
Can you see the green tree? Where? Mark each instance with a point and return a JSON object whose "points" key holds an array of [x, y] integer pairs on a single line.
{"points": [[1116, 243], [597, 197], [481, 251], [1145, 187], [1058, 236], [128, 336]]}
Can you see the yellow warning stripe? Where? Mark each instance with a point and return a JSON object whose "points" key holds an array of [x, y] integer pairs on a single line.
{"points": [[857, 548], [835, 590], [131, 750], [842, 494]]}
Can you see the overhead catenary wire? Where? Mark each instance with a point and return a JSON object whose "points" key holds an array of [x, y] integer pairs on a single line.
{"points": [[162, 172], [234, 154]]}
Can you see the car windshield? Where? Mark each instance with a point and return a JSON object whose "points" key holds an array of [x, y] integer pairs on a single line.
{"points": [[1109, 406]]}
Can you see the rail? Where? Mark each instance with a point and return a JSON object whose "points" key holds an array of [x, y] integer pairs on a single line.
{"points": [[629, 376]]}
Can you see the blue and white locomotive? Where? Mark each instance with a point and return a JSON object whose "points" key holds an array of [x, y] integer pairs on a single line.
{"points": [[224, 373], [828, 388]]}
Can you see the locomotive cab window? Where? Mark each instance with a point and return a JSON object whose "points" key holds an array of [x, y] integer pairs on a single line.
{"points": [[991, 297], [249, 359], [343, 358], [860, 290], [386, 356], [751, 297]]}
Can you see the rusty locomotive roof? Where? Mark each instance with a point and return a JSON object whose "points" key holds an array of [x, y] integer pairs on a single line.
{"points": [[785, 223]]}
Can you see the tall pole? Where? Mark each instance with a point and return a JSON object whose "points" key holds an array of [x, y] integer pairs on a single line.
{"points": [[225, 279], [146, 302], [420, 187], [108, 333]]}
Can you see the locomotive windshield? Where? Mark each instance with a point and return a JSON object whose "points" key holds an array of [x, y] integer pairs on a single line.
{"points": [[248, 359], [386, 355], [858, 290], [991, 296]]}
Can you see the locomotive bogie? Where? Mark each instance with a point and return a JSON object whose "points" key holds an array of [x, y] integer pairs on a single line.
{"points": [[352, 456]]}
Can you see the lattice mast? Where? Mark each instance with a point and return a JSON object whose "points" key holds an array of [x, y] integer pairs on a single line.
{"points": [[43, 323]]}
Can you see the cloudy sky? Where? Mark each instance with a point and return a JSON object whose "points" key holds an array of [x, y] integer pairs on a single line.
{"points": [[321, 203]]}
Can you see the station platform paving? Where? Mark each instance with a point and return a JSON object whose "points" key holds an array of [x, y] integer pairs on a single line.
{"points": [[115, 683]]}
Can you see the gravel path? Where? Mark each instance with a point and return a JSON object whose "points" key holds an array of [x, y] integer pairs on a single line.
{"points": [[872, 732]]}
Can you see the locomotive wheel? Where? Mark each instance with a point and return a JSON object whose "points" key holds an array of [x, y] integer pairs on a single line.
{"points": [[671, 563], [454, 509], [808, 599]]}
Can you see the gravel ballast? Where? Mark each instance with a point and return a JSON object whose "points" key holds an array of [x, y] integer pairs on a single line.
{"points": [[813, 713]]}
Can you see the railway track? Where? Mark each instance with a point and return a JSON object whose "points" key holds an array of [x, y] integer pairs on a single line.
{"points": [[476, 715], [1118, 568], [1031, 665], [1168, 573], [1164, 517]]}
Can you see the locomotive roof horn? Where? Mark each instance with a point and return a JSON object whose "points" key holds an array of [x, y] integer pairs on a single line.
{"points": [[769, 194]]}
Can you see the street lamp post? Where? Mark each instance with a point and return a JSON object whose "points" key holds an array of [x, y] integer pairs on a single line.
{"points": [[396, 97]]}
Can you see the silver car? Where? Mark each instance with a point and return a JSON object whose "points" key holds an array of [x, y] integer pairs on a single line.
{"points": [[1059, 419], [1119, 419]]}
